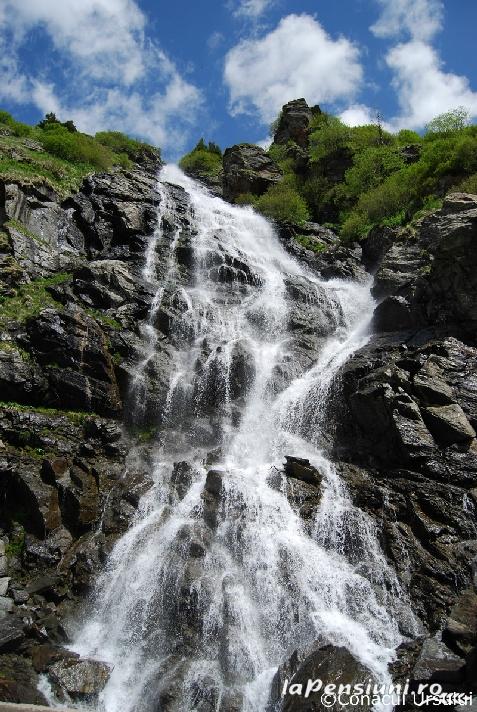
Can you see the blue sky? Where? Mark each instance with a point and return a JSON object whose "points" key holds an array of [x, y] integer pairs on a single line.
{"points": [[171, 72]]}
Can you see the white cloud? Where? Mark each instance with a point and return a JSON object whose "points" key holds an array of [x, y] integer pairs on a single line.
{"points": [[252, 9], [358, 115], [112, 76], [424, 90], [297, 58], [422, 19]]}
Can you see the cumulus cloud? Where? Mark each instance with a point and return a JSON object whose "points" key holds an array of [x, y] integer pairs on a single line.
{"points": [[110, 74], [297, 58], [421, 19], [424, 89], [358, 115]]}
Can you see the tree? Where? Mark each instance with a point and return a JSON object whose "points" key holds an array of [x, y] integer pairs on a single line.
{"points": [[449, 122]]}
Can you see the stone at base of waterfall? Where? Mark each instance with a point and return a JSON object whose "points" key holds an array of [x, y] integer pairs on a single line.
{"points": [[329, 664], [79, 679]]}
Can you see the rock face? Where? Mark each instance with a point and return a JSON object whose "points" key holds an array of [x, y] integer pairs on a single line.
{"points": [[248, 169], [405, 406]]}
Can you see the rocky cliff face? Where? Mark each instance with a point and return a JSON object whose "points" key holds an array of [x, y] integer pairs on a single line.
{"points": [[72, 297]]}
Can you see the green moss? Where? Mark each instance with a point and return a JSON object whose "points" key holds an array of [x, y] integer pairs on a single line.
{"points": [[76, 417], [30, 299]]}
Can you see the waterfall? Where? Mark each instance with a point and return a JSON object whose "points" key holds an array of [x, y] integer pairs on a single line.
{"points": [[219, 579]]}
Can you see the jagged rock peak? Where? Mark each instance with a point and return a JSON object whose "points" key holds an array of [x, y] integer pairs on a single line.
{"points": [[294, 122]]}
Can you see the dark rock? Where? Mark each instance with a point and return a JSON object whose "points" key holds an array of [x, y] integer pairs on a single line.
{"points": [[448, 424], [248, 169], [11, 634], [461, 629], [331, 665], [301, 469]]}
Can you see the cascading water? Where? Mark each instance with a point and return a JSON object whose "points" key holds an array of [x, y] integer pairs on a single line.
{"points": [[219, 579]]}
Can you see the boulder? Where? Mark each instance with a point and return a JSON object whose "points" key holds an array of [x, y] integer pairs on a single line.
{"points": [[248, 169], [79, 679], [330, 664], [436, 663], [448, 424]]}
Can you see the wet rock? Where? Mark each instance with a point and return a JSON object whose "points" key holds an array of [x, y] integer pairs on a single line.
{"points": [[18, 681], [448, 424], [436, 663], [301, 469], [394, 314], [248, 169], [11, 633], [79, 678], [212, 497], [331, 665], [461, 629]]}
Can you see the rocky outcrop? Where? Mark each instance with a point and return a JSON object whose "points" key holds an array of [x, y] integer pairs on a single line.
{"points": [[248, 169], [294, 123]]}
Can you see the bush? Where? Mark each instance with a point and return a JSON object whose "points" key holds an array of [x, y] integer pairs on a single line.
{"points": [[281, 202], [328, 136], [469, 185], [124, 145]]}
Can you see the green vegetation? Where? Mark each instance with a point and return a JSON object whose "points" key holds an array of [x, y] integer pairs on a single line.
{"points": [[205, 160], [356, 178], [15, 546], [311, 243], [59, 155], [104, 318], [29, 299], [76, 417]]}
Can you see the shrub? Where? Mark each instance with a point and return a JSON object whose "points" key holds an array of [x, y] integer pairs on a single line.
{"points": [[328, 136], [469, 185], [203, 160], [77, 147], [281, 202]]}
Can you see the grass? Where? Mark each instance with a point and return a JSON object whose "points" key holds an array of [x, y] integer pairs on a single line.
{"points": [[29, 299], [20, 163], [104, 318], [76, 417]]}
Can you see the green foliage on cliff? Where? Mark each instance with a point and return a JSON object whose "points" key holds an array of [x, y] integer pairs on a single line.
{"points": [[282, 202], [356, 177], [57, 154], [205, 160]]}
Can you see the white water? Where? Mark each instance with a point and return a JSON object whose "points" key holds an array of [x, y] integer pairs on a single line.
{"points": [[265, 583]]}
